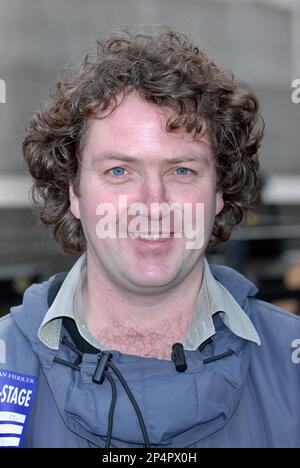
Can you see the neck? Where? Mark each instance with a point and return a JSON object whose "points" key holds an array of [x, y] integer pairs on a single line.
{"points": [[143, 325]]}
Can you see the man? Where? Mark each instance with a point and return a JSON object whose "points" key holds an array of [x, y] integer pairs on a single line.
{"points": [[142, 343]]}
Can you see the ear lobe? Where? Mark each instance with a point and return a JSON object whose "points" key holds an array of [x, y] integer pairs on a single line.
{"points": [[74, 202], [219, 203]]}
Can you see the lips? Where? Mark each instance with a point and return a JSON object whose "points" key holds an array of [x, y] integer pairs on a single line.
{"points": [[151, 236]]}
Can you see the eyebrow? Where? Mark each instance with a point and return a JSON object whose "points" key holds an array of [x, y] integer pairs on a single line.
{"points": [[123, 157]]}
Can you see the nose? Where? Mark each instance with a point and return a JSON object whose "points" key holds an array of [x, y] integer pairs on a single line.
{"points": [[154, 193]]}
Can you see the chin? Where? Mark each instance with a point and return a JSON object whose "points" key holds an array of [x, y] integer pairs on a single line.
{"points": [[152, 280]]}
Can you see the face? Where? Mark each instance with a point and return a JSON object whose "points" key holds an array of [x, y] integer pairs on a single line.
{"points": [[130, 156]]}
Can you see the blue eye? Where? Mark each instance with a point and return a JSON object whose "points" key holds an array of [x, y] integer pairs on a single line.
{"points": [[183, 171], [118, 171]]}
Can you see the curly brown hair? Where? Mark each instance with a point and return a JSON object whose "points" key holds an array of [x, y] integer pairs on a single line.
{"points": [[167, 69]]}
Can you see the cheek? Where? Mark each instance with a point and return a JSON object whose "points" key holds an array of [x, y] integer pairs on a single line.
{"points": [[88, 217], [206, 198], [88, 203], [98, 212], [207, 211]]}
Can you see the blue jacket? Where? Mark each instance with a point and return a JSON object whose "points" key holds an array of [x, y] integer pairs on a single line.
{"points": [[233, 393]]}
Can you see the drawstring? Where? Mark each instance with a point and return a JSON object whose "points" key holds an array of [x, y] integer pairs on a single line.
{"points": [[99, 376], [218, 357], [133, 402], [111, 409], [213, 358], [104, 362]]}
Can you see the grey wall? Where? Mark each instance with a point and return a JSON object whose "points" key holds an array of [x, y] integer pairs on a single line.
{"points": [[39, 36]]}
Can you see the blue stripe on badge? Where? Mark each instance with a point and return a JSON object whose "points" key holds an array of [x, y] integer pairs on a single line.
{"points": [[17, 392]]}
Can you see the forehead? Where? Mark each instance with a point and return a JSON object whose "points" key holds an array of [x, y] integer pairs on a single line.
{"points": [[138, 128]]}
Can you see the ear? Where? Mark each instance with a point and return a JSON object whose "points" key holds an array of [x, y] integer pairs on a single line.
{"points": [[74, 202], [219, 202]]}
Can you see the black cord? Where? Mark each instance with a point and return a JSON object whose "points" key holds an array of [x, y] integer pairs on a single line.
{"points": [[70, 345], [125, 386], [113, 399], [133, 401], [111, 409], [219, 356]]}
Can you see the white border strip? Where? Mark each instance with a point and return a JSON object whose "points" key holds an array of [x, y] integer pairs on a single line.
{"points": [[11, 429], [12, 417], [9, 441]]}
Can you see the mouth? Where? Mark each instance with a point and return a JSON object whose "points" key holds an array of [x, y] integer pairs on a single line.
{"points": [[160, 236]]}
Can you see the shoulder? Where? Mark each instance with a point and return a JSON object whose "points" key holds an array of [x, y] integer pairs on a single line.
{"points": [[15, 351], [272, 318], [7, 326], [18, 329], [279, 332], [266, 317]]}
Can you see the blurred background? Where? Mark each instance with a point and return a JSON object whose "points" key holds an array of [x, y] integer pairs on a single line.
{"points": [[259, 40]]}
